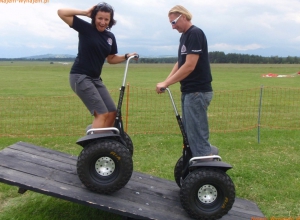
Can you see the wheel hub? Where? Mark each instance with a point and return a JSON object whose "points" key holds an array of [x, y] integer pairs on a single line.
{"points": [[105, 166], [207, 194]]}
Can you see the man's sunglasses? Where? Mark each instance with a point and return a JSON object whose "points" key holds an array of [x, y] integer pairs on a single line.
{"points": [[175, 21]]}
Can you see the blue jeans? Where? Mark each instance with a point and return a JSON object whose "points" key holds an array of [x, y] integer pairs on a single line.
{"points": [[195, 121]]}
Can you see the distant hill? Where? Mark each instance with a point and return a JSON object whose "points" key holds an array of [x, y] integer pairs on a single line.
{"points": [[49, 56]]}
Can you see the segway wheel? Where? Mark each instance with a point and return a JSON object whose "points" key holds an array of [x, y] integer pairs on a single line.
{"points": [[128, 143], [178, 171], [207, 193], [104, 166]]}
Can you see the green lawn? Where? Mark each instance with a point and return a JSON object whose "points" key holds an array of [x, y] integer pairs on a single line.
{"points": [[266, 172]]}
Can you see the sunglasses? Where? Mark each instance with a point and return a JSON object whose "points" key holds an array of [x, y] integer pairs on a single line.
{"points": [[175, 21]]}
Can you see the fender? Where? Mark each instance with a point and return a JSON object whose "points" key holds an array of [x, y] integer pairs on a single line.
{"points": [[214, 164], [93, 137]]}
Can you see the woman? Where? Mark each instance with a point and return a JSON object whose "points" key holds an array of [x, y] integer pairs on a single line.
{"points": [[96, 43]]}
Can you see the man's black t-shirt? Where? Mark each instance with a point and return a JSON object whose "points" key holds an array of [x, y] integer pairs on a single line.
{"points": [[193, 41], [93, 48]]}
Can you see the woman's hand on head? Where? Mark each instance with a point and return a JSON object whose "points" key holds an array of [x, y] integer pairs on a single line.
{"points": [[89, 11]]}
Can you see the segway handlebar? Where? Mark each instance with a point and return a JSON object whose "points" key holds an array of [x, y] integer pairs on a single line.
{"points": [[172, 100], [126, 68]]}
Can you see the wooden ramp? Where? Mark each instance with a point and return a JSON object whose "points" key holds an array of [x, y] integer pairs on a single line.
{"points": [[53, 173]]}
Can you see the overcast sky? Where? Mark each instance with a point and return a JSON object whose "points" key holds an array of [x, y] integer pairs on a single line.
{"points": [[259, 27]]}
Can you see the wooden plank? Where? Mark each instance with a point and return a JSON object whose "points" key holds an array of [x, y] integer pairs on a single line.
{"points": [[53, 173], [120, 203], [44, 152], [141, 192], [61, 171], [16, 157]]}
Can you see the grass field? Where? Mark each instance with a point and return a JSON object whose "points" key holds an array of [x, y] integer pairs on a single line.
{"points": [[266, 173]]}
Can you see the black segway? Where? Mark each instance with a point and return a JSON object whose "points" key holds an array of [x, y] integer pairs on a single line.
{"points": [[206, 191], [105, 163]]}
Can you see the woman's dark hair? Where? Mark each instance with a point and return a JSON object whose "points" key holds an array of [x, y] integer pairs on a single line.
{"points": [[102, 6]]}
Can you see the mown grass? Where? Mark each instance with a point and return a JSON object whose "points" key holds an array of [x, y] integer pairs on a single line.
{"points": [[265, 172]]}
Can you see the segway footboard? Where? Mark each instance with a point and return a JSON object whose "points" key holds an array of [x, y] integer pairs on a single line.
{"points": [[213, 164], [86, 140], [93, 134]]}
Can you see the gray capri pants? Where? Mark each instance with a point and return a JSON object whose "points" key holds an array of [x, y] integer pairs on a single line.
{"points": [[93, 93]]}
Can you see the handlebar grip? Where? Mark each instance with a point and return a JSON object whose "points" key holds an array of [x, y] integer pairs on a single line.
{"points": [[133, 56]]}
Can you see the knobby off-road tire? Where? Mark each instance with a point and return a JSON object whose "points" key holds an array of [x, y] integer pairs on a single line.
{"points": [[178, 171], [207, 193], [129, 143], [104, 166]]}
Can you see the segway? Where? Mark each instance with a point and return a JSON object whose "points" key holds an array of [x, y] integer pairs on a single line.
{"points": [[206, 191], [105, 164]]}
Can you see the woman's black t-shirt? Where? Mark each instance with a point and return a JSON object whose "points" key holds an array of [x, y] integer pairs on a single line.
{"points": [[93, 48]]}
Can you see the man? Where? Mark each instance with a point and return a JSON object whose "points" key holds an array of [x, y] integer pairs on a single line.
{"points": [[192, 70]]}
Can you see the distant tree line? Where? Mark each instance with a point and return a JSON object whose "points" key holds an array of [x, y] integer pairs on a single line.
{"points": [[221, 57], [214, 57]]}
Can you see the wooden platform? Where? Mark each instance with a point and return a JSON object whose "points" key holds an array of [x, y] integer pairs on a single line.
{"points": [[53, 173]]}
